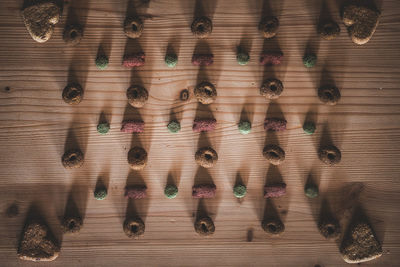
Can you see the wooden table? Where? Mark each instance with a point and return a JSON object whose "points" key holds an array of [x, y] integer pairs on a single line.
{"points": [[36, 127]]}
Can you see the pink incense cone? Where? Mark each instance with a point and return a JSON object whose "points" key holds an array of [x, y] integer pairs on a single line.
{"points": [[136, 191], [204, 125], [274, 124], [132, 126], [270, 58], [204, 191], [202, 59], [134, 60], [275, 190]]}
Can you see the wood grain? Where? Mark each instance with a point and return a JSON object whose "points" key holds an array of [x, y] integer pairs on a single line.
{"points": [[36, 126]]}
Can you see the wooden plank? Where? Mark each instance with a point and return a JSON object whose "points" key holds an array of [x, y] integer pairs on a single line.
{"points": [[36, 126]]}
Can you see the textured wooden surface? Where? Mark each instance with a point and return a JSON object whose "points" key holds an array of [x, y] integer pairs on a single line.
{"points": [[36, 126]]}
